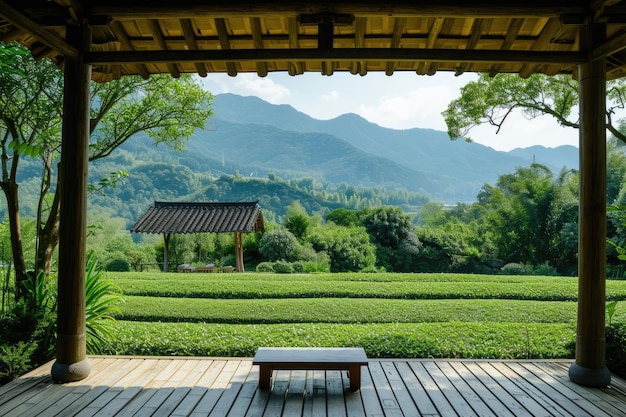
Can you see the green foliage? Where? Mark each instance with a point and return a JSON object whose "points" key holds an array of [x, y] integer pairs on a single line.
{"points": [[387, 340], [15, 360], [514, 269], [326, 308], [277, 244], [545, 269], [265, 267], [391, 230], [616, 348], [118, 265], [490, 100], [283, 267], [102, 298], [348, 249], [357, 285]]}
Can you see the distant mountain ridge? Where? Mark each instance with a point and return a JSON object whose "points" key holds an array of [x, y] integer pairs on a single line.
{"points": [[416, 159], [255, 138]]}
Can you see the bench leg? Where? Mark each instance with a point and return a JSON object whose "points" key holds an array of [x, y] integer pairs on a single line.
{"points": [[265, 374], [354, 372]]}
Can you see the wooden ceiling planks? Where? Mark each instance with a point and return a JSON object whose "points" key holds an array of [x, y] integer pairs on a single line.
{"points": [[192, 36]]}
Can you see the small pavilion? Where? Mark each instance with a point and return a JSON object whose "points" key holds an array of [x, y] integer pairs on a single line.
{"points": [[171, 218]]}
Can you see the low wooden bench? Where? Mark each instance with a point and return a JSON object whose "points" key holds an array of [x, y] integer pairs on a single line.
{"points": [[350, 359]]}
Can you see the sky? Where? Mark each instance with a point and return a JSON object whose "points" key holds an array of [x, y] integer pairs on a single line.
{"points": [[402, 101]]}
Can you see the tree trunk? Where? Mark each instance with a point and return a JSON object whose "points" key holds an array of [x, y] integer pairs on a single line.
{"points": [[48, 238], [13, 212]]}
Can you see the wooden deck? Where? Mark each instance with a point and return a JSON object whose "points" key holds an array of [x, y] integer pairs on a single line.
{"points": [[144, 386]]}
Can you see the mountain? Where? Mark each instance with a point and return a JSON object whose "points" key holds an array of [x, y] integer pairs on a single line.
{"points": [[281, 139], [254, 138]]}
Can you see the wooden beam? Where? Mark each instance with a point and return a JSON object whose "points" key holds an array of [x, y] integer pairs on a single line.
{"points": [[612, 46], [295, 68], [122, 37], [190, 38], [222, 32], [139, 9], [550, 28], [360, 25], [337, 54], [157, 35], [257, 37], [45, 36], [398, 31]]}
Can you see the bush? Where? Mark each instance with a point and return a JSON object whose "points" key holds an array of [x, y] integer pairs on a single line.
{"points": [[616, 348], [118, 265], [15, 360], [545, 269], [298, 267], [277, 244], [229, 260], [265, 267], [283, 267], [514, 269]]}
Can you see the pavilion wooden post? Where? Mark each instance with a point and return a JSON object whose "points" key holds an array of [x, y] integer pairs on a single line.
{"points": [[166, 254], [239, 251], [71, 353], [590, 366]]}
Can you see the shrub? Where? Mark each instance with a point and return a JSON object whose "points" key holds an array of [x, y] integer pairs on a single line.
{"points": [[298, 267], [545, 269], [514, 269], [229, 260], [15, 360], [616, 348], [265, 267], [118, 265], [283, 267], [277, 244]]}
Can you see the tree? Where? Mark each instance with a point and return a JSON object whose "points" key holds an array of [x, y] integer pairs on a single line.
{"points": [[297, 220], [391, 230], [527, 211], [348, 248], [167, 110], [492, 100]]}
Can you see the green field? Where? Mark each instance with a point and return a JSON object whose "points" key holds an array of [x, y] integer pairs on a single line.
{"points": [[390, 315]]}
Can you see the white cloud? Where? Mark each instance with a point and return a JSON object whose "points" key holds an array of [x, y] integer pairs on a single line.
{"points": [[421, 107], [265, 88], [331, 96]]}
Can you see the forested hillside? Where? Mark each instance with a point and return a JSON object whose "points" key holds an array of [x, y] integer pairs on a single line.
{"points": [[345, 162]]}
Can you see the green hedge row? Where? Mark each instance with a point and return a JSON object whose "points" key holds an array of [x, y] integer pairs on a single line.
{"points": [[423, 340], [346, 310]]}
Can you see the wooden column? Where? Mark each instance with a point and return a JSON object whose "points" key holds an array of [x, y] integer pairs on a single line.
{"points": [[71, 361], [239, 251], [166, 252], [590, 366]]}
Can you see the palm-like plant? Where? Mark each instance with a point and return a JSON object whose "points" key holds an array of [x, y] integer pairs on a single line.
{"points": [[102, 303]]}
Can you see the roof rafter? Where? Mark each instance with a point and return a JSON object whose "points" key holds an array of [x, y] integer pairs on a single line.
{"points": [[336, 54], [45, 36]]}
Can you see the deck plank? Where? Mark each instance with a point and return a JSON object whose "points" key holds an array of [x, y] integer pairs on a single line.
{"points": [[354, 402], [213, 394], [228, 387], [432, 390]]}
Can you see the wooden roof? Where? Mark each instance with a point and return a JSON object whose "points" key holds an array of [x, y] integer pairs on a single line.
{"points": [[185, 217], [236, 36]]}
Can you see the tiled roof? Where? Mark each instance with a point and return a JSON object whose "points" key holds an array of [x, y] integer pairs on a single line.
{"points": [[186, 217]]}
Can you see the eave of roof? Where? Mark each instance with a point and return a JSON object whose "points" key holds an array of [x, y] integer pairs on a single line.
{"points": [[427, 36], [194, 217]]}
